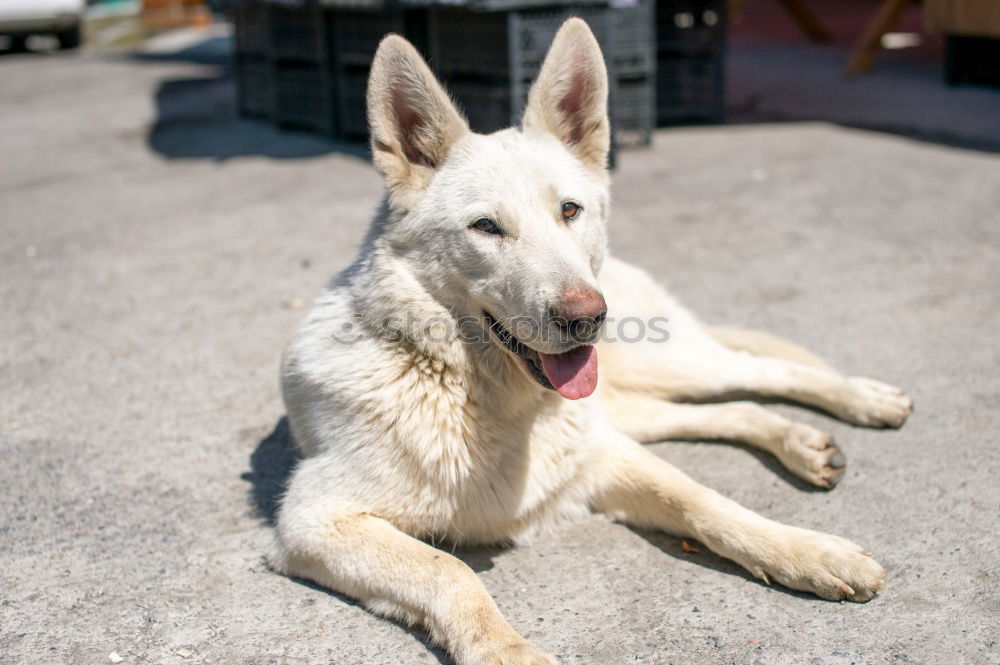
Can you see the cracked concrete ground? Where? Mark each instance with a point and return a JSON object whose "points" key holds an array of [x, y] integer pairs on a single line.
{"points": [[155, 255]]}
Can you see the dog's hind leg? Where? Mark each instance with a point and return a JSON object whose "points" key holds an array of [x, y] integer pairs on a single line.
{"points": [[678, 358], [857, 400], [760, 343], [632, 484], [367, 558], [804, 450], [698, 369]]}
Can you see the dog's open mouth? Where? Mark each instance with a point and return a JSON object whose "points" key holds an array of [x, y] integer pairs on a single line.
{"points": [[573, 374]]}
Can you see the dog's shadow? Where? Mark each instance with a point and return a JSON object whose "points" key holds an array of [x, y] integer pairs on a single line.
{"points": [[695, 552], [271, 465]]}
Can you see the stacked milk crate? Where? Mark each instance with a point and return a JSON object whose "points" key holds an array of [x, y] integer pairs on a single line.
{"points": [[306, 64], [489, 55], [690, 60]]}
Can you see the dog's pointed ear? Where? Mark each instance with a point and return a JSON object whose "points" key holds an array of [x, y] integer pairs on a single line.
{"points": [[570, 96], [412, 121]]}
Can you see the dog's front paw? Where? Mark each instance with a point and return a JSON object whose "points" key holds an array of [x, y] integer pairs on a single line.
{"points": [[828, 566], [874, 404], [812, 456], [520, 653]]}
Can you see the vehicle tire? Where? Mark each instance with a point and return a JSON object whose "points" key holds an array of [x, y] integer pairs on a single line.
{"points": [[69, 38]]}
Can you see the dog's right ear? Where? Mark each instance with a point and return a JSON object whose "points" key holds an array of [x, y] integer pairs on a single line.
{"points": [[570, 96], [412, 121]]}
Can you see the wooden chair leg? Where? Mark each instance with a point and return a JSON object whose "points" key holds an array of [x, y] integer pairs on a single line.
{"points": [[868, 45], [807, 20]]}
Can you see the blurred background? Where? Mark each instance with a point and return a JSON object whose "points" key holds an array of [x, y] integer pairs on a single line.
{"points": [[929, 69]]}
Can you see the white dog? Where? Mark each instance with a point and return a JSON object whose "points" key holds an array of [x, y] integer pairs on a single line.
{"points": [[436, 389]]}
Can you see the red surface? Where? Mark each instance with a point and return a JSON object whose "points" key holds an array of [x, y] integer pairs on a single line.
{"points": [[767, 21]]}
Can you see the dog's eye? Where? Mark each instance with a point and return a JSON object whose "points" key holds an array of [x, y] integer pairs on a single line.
{"points": [[570, 210], [486, 226]]}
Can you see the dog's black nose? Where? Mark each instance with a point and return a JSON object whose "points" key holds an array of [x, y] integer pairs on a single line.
{"points": [[579, 313]]}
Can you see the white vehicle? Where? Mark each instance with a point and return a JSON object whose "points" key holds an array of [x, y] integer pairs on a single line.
{"points": [[20, 19]]}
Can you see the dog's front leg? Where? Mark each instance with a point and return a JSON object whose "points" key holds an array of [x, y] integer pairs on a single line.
{"points": [[634, 485], [365, 557]]}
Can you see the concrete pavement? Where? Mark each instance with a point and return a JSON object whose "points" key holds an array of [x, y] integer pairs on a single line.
{"points": [[155, 254]]}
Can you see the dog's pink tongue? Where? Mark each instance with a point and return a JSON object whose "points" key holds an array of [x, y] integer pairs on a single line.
{"points": [[574, 373]]}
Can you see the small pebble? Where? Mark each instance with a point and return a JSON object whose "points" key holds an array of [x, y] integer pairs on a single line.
{"points": [[114, 657]]}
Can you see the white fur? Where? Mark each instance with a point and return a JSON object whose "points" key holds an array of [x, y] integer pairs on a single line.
{"points": [[407, 435]]}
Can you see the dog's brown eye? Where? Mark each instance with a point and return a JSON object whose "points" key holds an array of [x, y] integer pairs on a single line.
{"points": [[570, 210], [486, 226]]}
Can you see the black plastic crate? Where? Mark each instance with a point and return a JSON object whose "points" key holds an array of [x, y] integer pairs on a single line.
{"points": [[484, 79], [633, 119], [466, 43], [689, 90], [304, 98], [250, 23], [487, 59], [486, 103], [255, 86], [493, 5], [690, 61], [633, 38], [351, 84], [695, 27], [974, 60], [297, 34], [532, 32], [629, 63], [354, 35], [491, 38]]}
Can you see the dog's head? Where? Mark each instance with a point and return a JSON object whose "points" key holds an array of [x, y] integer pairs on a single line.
{"points": [[508, 227]]}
